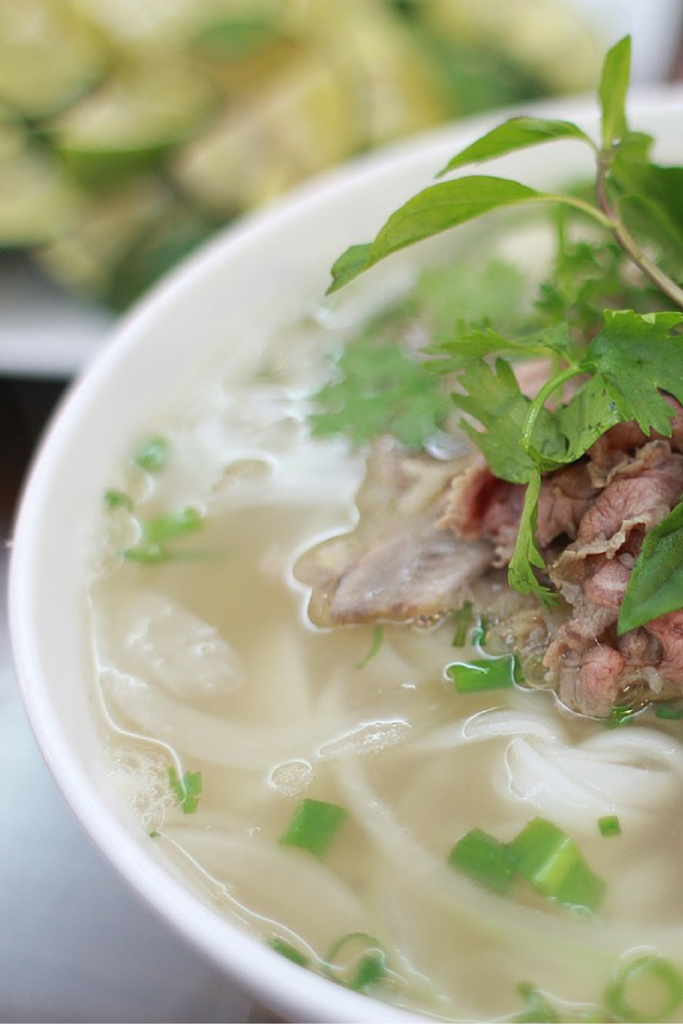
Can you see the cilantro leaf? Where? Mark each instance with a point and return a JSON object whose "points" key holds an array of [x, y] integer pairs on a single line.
{"points": [[656, 583], [187, 789], [583, 419], [526, 555], [465, 292], [380, 390], [517, 133], [475, 343], [587, 277], [636, 356], [492, 396]]}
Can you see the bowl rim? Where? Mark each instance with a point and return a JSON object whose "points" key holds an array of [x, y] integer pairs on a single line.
{"points": [[253, 966]]}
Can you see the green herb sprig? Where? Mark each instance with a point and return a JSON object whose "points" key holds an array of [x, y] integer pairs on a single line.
{"points": [[621, 371]]}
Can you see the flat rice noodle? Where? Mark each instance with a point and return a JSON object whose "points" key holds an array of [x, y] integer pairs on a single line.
{"points": [[133, 704], [573, 786], [266, 884]]}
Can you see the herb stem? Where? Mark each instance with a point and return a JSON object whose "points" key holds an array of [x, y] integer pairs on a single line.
{"points": [[650, 269], [541, 398], [592, 211], [625, 239]]}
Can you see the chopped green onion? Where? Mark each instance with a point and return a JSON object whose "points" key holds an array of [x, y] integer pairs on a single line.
{"points": [[377, 641], [463, 619], [669, 711], [358, 961], [186, 789], [621, 714], [147, 554], [485, 859], [538, 1011], [485, 674], [609, 825], [648, 989], [114, 499], [314, 825], [288, 951], [551, 862], [174, 524], [152, 456], [156, 532], [479, 633]]}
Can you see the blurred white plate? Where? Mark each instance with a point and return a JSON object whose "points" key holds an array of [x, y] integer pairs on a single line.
{"points": [[47, 332], [44, 332]]}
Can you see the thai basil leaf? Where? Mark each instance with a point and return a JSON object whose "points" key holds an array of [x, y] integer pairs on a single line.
{"points": [[612, 92], [435, 209], [656, 584], [352, 262], [517, 133]]}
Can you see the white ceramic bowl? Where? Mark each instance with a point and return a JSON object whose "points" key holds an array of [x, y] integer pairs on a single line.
{"points": [[267, 268]]}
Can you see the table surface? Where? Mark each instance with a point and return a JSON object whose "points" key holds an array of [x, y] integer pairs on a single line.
{"points": [[75, 943]]}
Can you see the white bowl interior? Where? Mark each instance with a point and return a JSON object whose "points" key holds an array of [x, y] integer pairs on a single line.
{"points": [[263, 272]]}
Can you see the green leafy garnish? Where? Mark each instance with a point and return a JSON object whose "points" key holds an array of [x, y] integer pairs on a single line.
{"points": [[381, 390], [635, 356], [438, 208], [609, 363], [517, 133], [656, 582], [187, 789], [614, 82]]}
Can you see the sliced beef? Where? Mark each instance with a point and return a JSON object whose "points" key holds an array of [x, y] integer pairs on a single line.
{"points": [[667, 632], [429, 530], [480, 505], [623, 439], [586, 661], [398, 564], [604, 505]]}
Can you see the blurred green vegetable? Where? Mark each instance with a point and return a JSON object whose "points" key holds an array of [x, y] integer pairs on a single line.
{"points": [[129, 132]]}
